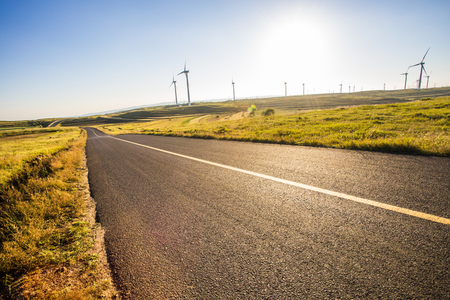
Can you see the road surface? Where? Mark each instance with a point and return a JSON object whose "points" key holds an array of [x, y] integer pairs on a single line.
{"points": [[57, 122], [207, 219]]}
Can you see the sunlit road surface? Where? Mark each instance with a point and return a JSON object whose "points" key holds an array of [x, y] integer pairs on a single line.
{"points": [[206, 219]]}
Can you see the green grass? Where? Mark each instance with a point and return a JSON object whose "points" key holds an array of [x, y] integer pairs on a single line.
{"points": [[194, 109], [25, 124], [419, 127], [45, 239], [19, 146]]}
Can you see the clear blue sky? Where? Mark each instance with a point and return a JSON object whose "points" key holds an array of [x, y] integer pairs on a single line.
{"points": [[66, 58]]}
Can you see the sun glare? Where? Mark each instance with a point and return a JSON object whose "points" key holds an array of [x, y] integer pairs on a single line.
{"points": [[296, 48], [296, 40]]}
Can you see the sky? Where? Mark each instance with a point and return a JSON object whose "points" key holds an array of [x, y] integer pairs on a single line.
{"points": [[69, 58]]}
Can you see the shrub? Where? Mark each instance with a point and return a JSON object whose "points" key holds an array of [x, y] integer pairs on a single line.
{"points": [[252, 110], [268, 112]]}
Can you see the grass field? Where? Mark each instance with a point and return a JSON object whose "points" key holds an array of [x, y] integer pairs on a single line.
{"points": [[25, 124], [20, 146], [419, 127], [290, 104], [45, 236]]}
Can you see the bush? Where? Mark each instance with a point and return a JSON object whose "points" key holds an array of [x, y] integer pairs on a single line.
{"points": [[252, 110], [268, 112]]}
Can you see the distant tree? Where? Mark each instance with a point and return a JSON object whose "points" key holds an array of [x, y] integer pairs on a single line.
{"points": [[268, 112], [252, 110]]}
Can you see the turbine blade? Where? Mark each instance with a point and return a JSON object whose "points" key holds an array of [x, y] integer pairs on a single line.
{"points": [[425, 54], [180, 73], [414, 65], [423, 68]]}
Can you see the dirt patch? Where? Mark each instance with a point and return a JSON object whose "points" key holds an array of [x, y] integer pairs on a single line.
{"points": [[213, 119], [196, 120], [236, 116]]}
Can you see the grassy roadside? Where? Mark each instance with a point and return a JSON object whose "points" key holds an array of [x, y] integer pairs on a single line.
{"points": [[20, 146], [47, 238], [419, 127]]}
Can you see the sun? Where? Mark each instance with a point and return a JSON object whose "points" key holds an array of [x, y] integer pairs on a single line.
{"points": [[296, 42]]}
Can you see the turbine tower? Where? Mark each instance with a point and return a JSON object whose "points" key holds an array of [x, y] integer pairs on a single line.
{"points": [[422, 68], [187, 82], [406, 77], [303, 89], [428, 77], [341, 86], [285, 89], [234, 95], [174, 83]]}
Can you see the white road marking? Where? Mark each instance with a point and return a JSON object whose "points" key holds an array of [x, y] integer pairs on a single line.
{"points": [[95, 133], [307, 187]]}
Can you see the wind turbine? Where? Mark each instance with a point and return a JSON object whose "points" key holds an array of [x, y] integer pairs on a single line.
{"points": [[187, 82], [341, 86], [406, 77], [174, 83], [234, 95], [303, 89], [422, 68], [428, 77], [285, 89]]}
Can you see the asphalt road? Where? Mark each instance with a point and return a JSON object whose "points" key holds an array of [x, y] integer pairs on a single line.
{"points": [[177, 227], [55, 123]]}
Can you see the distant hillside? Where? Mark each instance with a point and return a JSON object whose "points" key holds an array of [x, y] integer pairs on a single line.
{"points": [[289, 103], [25, 124], [327, 101]]}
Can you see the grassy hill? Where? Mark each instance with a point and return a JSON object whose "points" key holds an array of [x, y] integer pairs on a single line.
{"points": [[7, 125], [289, 104], [415, 127], [283, 105]]}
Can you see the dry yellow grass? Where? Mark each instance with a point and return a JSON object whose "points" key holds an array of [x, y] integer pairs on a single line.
{"points": [[46, 238], [420, 127], [16, 149]]}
